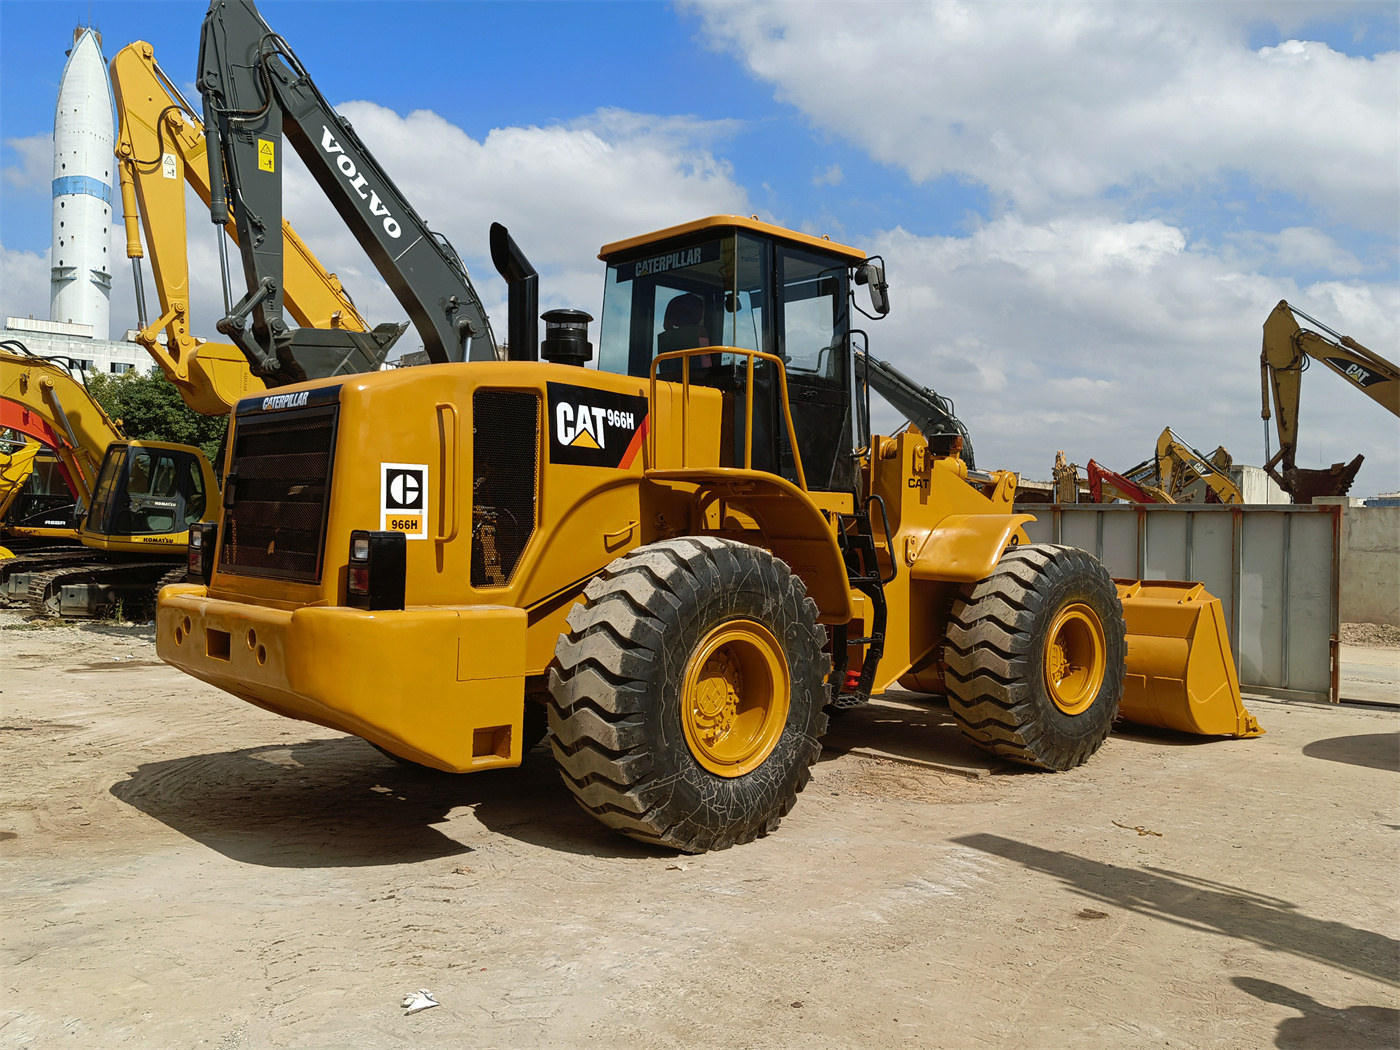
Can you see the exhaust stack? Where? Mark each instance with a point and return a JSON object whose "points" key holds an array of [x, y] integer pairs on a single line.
{"points": [[522, 324]]}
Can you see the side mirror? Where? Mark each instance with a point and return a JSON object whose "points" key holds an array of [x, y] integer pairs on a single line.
{"points": [[872, 273]]}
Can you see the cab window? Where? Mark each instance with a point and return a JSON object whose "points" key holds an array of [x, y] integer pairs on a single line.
{"points": [[705, 292]]}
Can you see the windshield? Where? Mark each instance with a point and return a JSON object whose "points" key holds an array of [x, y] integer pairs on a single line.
{"points": [[708, 292], [162, 490]]}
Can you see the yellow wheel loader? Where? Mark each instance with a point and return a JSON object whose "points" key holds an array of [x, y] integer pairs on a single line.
{"points": [[688, 555]]}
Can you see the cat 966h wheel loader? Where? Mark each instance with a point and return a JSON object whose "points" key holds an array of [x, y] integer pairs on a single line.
{"points": [[689, 555]]}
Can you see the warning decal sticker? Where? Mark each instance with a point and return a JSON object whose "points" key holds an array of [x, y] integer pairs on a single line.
{"points": [[267, 158], [595, 428], [403, 499]]}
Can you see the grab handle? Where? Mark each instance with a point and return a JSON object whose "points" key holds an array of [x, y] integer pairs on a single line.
{"points": [[448, 460]]}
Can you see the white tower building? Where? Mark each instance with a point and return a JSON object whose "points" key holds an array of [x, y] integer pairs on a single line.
{"points": [[81, 280]]}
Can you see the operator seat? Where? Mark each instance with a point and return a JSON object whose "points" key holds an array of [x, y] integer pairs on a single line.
{"points": [[683, 328], [684, 325]]}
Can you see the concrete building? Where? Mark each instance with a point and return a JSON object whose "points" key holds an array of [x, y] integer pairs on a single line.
{"points": [[81, 277], [76, 343]]}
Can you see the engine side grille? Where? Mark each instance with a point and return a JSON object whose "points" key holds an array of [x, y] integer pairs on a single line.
{"points": [[275, 525], [505, 475]]}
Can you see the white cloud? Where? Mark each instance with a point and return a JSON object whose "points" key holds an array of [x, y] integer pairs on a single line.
{"points": [[1050, 104], [1091, 336], [1302, 248], [563, 191], [832, 176], [35, 167], [24, 283]]}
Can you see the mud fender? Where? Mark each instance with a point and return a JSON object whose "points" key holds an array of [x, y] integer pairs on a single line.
{"points": [[963, 548]]}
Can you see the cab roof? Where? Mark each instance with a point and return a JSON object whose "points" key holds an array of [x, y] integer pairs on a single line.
{"points": [[732, 222]]}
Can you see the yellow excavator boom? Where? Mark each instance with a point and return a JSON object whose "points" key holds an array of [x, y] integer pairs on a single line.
{"points": [[1287, 350], [15, 468], [1182, 471], [160, 149], [42, 401]]}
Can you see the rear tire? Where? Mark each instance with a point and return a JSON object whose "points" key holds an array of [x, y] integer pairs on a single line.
{"points": [[1035, 657], [687, 694]]}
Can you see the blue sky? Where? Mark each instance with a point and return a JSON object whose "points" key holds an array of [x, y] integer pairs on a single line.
{"points": [[1087, 210]]}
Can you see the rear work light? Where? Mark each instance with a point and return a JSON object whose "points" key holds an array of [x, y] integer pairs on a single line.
{"points": [[378, 565], [204, 543]]}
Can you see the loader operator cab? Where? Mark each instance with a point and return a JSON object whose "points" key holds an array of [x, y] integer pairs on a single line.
{"points": [[732, 282]]}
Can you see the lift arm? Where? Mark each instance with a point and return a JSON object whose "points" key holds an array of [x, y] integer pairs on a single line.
{"points": [[255, 91], [928, 410], [1287, 351]]}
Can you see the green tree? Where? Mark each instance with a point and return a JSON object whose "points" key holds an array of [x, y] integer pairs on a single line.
{"points": [[150, 409]]}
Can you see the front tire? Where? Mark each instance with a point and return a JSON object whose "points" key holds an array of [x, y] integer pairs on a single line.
{"points": [[687, 694], [1035, 657]]}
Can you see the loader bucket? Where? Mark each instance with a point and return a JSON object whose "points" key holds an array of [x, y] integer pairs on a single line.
{"points": [[1180, 671]]}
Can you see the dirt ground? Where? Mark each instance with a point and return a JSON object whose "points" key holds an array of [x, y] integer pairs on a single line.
{"points": [[1371, 635], [184, 870]]}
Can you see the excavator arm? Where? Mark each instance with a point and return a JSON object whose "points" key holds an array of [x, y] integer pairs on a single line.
{"points": [[1106, 485], [41, 400], [1287, 351], [161, 149], [255, 91], [16, 465], [1180, 467]]}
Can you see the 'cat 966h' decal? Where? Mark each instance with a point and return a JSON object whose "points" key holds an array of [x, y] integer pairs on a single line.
{"points": [[595, 428]]}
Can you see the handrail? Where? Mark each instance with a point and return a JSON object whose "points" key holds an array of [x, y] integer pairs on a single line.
{"points": [[684, 356], [449, 471]]}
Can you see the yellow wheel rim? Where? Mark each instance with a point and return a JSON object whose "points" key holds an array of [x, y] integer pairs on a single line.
{"points": [[1074, 658], [734, 698]]}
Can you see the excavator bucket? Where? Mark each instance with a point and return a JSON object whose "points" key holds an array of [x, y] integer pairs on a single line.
{"points": [[1180, 671]]}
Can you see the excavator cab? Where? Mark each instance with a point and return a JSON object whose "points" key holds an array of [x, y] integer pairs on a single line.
{"points": [[148, 489], [43, 508], [751, 287]]}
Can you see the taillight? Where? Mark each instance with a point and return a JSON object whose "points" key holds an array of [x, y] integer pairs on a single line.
{"points": [[204, 542], [378, 565]]}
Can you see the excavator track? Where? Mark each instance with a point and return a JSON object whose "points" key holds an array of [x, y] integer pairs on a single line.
{"points": [[39, 560], [134, 581]]}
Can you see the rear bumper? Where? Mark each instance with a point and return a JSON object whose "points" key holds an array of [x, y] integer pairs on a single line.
{"points": [[441, 686]]}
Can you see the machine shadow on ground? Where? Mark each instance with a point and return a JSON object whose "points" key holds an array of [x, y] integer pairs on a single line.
{"points": [[1209, 907], [908, 726], [1376, 750], [1322, 1027], [340, 803], [920, 729]]}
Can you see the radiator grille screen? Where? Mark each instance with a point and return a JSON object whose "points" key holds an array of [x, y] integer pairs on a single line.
{"points": [[276, 523], [505, 475]]}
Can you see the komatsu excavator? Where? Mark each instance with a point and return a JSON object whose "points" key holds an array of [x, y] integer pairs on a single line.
{"points": [[685, 557], [136, 499], [1287, 351]]}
